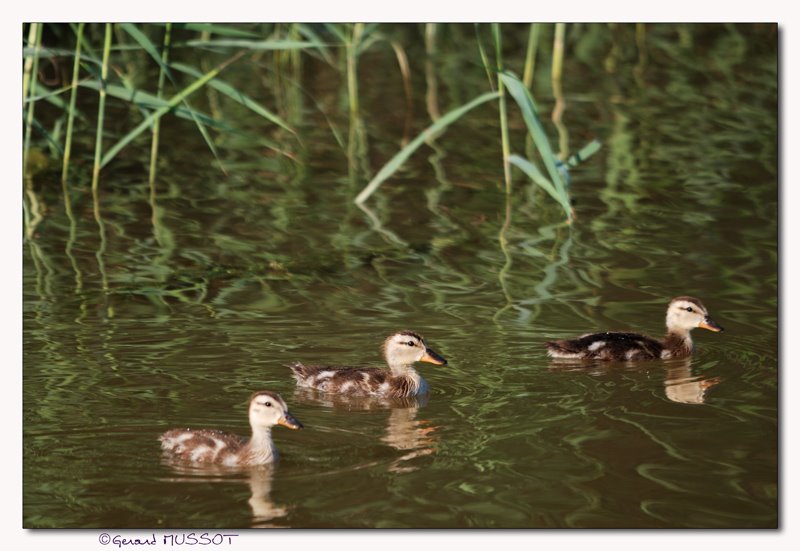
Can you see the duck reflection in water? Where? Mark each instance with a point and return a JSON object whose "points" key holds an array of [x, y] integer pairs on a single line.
{"points": [[258, 478], [680, 385], [404, 432]]}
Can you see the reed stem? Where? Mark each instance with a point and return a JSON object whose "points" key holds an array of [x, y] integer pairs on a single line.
{"points": [[352, 68], [98, 144], [73, 96], [162, 74], [29, 84], [503, 109], [530, 55], [558, 94]]}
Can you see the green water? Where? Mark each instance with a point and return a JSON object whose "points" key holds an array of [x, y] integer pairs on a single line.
{"points": [[178, 305]]}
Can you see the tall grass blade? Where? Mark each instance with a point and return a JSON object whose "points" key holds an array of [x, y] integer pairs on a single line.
{"points": [[530, 55], [531, 116], [225, 88], [397, 161], [73, 96], [312, 37], [148, 101], [210, 28], [162, 74], [164, 70], [161, 111], [506, 146], [484, 58], [561, 104], [587, 151], [29, 86], [257, 44], [98, 147], [540, 179], [147, 45]]}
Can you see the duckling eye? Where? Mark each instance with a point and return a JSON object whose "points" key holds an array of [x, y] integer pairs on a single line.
{"points": [[689, 309], [410, 343], [268, 404]]}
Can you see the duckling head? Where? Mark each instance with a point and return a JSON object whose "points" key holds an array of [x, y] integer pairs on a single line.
{"points": [[268, 409], [686, 313], [406, 347]]}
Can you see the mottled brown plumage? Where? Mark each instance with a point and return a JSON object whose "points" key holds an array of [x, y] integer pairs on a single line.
{"points": [[683, 314], [208, 446], [400, 350]]}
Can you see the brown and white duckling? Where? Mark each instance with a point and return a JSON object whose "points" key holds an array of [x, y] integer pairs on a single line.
{"points": [[401, 350], [683, 314], [266, 410]]}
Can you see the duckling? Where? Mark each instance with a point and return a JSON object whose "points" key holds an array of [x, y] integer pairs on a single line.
{"points": [[266, 410], [683, 314], [400, 350]]}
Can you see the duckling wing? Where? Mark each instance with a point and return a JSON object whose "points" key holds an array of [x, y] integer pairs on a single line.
{"points": [[607, 346], [343, 380], [200, 446]]}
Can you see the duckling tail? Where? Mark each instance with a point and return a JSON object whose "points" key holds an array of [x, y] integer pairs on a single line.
{"points": [[561, 349]]}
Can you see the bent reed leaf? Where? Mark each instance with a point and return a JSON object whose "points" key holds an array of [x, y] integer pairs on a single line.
{"points": [[174, 101], [430, 132]]}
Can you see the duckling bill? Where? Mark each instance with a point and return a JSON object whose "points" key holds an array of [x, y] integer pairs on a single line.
{"points": [[684, 313], [401, 350]]}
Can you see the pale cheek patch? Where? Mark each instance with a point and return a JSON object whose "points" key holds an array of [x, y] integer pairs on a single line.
{"points": [[597, 345]]}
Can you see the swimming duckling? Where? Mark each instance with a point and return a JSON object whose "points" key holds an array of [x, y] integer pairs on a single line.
{"points": [[267, 409], [683, 314], [401, 350]]}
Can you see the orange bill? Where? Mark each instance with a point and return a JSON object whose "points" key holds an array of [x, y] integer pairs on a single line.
{"points": [[711, 325], [432, 358], [290, 422]]}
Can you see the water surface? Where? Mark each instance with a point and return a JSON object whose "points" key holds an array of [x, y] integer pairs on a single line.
{"points": [[184, 302]]}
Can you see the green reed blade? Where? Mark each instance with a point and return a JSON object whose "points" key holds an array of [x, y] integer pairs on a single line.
{"points": [[484, 58], [587, 151], [427, 134], [52, 138], [530, 114], [541, 180], [146, 101], [225, 88], [161, 111], [312, 36], [50, 96], [505, 143], [164, 70], [530, 55], [73, 96], [335, 29], [98, 147], [221, 30], [146, 44], [162, 74], [29, 81], [257, 44]]}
